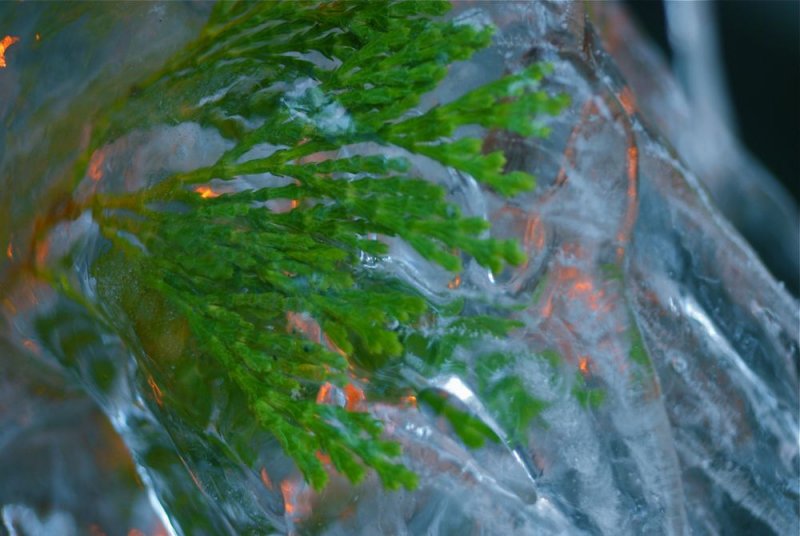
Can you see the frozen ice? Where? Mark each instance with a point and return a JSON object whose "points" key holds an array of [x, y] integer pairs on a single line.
{"points": [[635, 277]]}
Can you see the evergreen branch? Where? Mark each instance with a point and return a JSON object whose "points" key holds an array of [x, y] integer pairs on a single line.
{"points": [[253, 284]]}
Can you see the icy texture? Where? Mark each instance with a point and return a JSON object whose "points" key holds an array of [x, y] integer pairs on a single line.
{"points": [[633, 279], [701, 128], [58, 450]]}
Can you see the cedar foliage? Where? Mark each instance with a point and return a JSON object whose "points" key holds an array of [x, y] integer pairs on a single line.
{"points": [[311, 79]]}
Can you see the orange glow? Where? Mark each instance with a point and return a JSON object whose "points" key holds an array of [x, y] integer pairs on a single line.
{"points": [[31, 345], [310, 328], [633, 198], [4, 44], [583, 365], [333, 346], [265, 478], [565, 273], [410, 400], [295, 500], [287, 489], [156, 390], [196, 480], [96, 165], [206, 192], [10, 251], [306, 326], [633, 164], [455, 283], [575, 284], [627, 100], [589, 109], [324, 394], [534, 233], [294, 203], [355, 397], [583, 286], [324, 458], [134, 532]]}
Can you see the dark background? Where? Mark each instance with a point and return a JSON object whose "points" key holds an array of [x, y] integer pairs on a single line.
{"points": [[760, 44]]}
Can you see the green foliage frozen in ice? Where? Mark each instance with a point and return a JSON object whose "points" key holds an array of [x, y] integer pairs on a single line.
{"points": [[250, 284]]}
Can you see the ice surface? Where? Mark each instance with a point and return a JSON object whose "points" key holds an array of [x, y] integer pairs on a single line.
{"points": [[694, 115], [634, 278]]}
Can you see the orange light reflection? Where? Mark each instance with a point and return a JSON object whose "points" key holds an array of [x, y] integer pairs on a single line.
{"points": [[96, 165], [534, 233], [410, 401], [206, 192], [355, 397], [156, 390], [627, 100], [31, 345], [287, 490], [4, 44], [196, 480], [324, 394], [265, 478], [295, 500]]}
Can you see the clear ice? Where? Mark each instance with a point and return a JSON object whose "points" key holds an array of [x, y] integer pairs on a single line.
{"points": [[634, 274]]}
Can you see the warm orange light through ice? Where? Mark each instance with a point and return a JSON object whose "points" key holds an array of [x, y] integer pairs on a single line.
{"points": [[354, 396], [265, 478], [96, 166], [583, 365], [4, 44], [206, 192], [324, 395]]}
